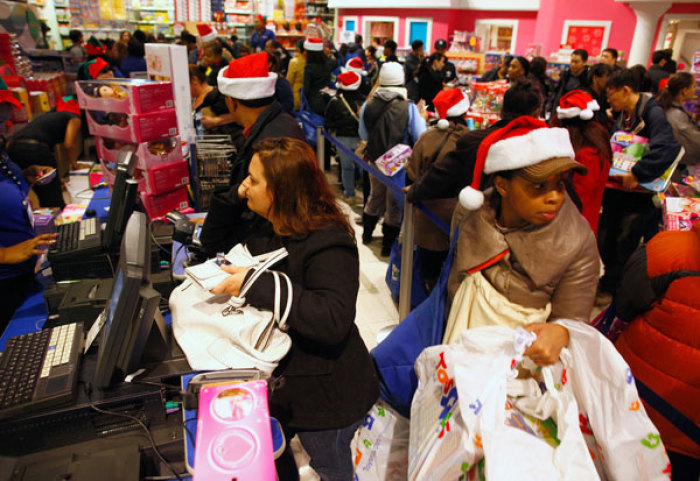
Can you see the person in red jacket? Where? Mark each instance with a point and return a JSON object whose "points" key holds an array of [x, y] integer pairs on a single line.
{"points": [[591, 143], [659, 297]]}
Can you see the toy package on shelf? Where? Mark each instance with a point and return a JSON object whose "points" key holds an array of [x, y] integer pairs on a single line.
{"points": [[393, 160], [134, 128], [156, 206], [465, 42], [163, 178], [488, 96], [627, 150], [493, 60], [481, 120], [467, 62], [124, 96], [680, 213], [150, 154]]}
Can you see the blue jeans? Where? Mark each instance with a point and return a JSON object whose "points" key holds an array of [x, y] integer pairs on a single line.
{"points": [[347, 166], [330, 452]]}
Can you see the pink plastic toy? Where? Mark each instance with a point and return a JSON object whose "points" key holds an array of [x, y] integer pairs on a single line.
{"points": [[233, 433]]}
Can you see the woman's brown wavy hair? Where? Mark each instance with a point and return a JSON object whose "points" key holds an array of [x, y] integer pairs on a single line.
{"points": [[302, 199]]}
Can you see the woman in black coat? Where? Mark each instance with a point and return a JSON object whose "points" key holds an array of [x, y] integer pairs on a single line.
{"points": [[317, 76], [329, 380], [430, 78]]}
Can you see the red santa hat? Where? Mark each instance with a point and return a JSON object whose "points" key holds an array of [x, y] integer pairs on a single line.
{"points": [[349, 80], [247, 78], [525, 143], [314, 44], [6, 95], [355, 65], [450, 103], [577, 103], [96, 67], [206, 32], [68, 104]]}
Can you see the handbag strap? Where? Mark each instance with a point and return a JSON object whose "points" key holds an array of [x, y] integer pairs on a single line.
{"points": [[347, 105], [258, 270]]}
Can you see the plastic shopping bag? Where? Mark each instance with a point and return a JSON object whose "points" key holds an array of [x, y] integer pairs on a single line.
{"points": [[381, 453], [465, 408], [628, 442]]}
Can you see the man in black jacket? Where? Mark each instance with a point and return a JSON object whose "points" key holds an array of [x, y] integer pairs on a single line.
{"points": [[449, 71], [628, 216], [657, 71], [249, 90], [576, 78]]}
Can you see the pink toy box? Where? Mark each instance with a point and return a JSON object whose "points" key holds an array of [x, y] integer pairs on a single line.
{"points": [[233, 433], [157, 206], [124, 96], [135, 128], [150, 154], [393, 160], [163, 178]]}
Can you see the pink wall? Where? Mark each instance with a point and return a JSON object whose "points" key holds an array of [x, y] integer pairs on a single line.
{"points": [[543, 27], [552, 14]]}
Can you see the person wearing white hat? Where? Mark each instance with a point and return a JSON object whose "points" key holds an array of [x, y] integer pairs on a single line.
{"points": [[525, 256], [393, 120], [342, 119]]}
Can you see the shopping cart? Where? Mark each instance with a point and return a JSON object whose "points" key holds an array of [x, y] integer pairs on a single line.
{"points": [[213, 157]]}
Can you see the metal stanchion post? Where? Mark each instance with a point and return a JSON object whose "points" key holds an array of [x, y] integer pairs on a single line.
{"points": [[320, 146], [406, 280]]}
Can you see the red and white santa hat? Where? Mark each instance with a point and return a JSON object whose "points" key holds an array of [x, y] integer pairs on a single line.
{"points": [[349, 80], [207, 33], [577, 103], [247, 78], [356, 65], [313, 44], [450, 103], [525, 143]]}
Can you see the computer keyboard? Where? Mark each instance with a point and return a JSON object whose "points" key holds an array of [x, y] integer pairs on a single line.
{"points": [[77, 238], [40, 369]]}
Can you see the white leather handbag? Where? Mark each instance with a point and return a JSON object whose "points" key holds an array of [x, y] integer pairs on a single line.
{"points": [[221, 332]]}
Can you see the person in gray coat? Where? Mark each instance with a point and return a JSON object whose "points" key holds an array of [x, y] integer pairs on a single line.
{"points": [[680, 88]]}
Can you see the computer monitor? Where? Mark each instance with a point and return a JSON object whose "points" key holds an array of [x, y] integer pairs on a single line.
{"points": [[123, 198], [132, 319]]}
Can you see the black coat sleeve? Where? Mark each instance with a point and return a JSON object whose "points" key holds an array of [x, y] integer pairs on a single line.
{"points": [[323, 305], [663, 148], [228, 222], [636, 293], [284, 95], [449, 175]]}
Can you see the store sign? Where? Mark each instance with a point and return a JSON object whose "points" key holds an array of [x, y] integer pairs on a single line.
{"points": [[347, 36]]}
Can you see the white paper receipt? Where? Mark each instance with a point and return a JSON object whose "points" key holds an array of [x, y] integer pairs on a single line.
{"points": [[95, 329]]}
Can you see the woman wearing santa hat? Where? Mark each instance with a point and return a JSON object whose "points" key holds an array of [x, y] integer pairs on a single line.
{"points": [[434, 145], [525, 256], [576, 113], [317, 74], [342, 118]]}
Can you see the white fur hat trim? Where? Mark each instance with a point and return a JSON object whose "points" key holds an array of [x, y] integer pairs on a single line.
{"points": [[529, 149], [249, 88]]}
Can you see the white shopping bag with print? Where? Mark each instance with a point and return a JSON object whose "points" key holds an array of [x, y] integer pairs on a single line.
{"points": [[440, 446], [381, 452], [629, 446]]}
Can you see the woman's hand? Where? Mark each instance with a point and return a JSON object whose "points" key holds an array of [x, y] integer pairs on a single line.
{"points": [[629, 181], [232, 284], [25, 250], [34, 172], [551, 338], [209, 122]]}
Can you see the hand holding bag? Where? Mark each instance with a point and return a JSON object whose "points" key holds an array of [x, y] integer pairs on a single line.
{"points": [[220, 332]]}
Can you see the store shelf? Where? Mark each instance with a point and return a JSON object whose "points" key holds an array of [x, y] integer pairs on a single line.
{"points": [[290, 35], [319, 14], [152, 9], [239, 12]]}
